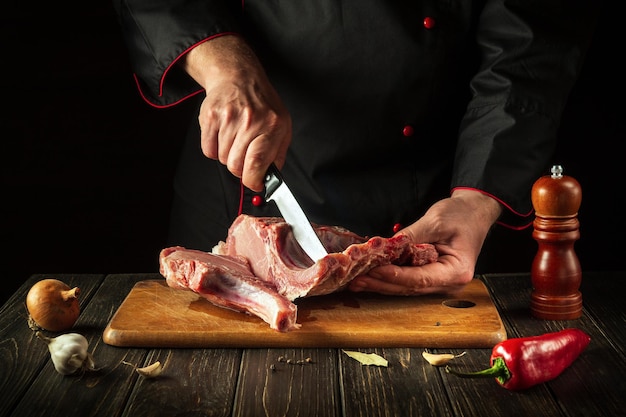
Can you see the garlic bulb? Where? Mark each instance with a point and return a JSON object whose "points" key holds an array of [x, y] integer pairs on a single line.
{"points": [[69, 352]]}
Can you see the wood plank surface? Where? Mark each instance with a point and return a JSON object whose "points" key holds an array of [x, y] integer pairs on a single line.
{"points": [[99, 389], [485, 397], [408, 386], [280, 381], [594, 384], [22, 354], [603, 300], [288, 382], [154, 315], [194, 382]]}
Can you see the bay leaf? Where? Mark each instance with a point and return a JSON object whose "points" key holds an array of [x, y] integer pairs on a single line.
{"points": [[367, 358]]}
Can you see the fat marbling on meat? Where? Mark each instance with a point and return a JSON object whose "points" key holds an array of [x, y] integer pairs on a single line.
{"points": [[227, 282], [261, 269]]}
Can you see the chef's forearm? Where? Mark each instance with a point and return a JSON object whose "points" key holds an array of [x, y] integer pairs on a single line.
{"points": [[487, 207], [227, 56]]}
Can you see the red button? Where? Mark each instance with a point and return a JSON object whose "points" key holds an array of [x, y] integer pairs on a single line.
{"points": [[408, 131], [429, 22], [257, 201], [397, 227]]}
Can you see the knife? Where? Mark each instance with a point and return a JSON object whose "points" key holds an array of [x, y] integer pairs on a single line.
{"points": [[277, 190]]}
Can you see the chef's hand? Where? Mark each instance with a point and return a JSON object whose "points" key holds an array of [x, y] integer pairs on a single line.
{"points": [[457, 226], [243, 122]]}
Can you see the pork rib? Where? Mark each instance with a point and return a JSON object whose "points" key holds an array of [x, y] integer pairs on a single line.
{"points": [[261, 269], [275, 256], [227, 282]]}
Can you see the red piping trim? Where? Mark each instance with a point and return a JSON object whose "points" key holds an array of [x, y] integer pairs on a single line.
{"points": [[184, 53], [509, 226], [495, 198], [508, 207], [240, 198], [162, 81], [162, 106]]}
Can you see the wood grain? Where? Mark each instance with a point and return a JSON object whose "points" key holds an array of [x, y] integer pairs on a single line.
{"points": [[594, 384], [259, 382], [154, 315], [409, 386], [280, 382], [200, 381], [23, 355]]}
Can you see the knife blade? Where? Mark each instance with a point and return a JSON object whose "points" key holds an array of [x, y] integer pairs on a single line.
{"points": [[276, 190]]}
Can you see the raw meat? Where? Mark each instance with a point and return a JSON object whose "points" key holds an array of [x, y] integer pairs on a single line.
{"points": [[275, 256], [261, 255], [227, 282]]}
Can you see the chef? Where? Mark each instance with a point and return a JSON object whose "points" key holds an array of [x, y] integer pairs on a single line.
{"points": [[429, 118]]}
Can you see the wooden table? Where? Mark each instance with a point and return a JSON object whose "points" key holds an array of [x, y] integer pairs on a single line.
{"points": [[241, 382]]}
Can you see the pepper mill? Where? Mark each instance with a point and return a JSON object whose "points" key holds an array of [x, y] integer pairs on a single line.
{"points": [[556, 273]]}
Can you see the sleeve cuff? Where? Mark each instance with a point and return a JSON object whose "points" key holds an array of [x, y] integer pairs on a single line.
{"points": [[510, 218], [179, 86]]}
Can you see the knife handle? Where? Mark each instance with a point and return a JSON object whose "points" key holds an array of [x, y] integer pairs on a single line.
{"points": [[273, 180]]}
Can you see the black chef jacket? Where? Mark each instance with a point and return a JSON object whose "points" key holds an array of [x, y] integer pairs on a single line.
{"points": [[393, 103]]}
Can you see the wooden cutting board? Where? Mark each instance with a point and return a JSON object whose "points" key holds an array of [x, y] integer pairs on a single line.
{"points": [[154, 315]]}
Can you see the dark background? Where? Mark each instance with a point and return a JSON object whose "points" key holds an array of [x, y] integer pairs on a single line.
{"points": [[87, 165]]}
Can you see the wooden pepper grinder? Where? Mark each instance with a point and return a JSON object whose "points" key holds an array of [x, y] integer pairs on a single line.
{"points": [[556, 273]]}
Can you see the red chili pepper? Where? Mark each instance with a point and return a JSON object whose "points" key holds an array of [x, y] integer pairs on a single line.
{"points": [[520, 363]]}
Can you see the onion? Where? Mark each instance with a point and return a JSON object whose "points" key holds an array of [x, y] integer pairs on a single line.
{"points": [[52, 305]]}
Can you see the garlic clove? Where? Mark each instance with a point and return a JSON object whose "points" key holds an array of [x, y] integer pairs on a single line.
{"points": [[151, 371], [439, 359], [89, 363], [75, 361]]}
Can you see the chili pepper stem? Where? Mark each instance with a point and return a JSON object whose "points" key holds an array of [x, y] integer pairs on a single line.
{"points": [[498, 370]]}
